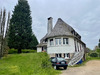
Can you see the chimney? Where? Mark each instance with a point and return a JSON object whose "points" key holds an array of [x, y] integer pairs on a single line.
{"points": [[49, 27]]}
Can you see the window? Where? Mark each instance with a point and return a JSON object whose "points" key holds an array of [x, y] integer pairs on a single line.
{"points": [[75, 45], [51, 42], [58, 41], [78, 46], [53, 60], [65, 40], [67, 55], [60, 59], [58, 55]]}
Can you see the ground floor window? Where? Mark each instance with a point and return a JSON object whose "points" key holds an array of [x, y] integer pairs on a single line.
{"points": [[44, 49], [67, 55], [58, 55]]}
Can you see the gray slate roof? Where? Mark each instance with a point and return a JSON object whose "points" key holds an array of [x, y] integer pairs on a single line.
{"points": [[60, 29]]}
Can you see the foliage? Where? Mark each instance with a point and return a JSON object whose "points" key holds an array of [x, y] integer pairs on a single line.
{"points": [[98, 50], [99, 43], [94, 55], [45, 63], [14, 51], [34, 42], [26, 64], [20, 31]]}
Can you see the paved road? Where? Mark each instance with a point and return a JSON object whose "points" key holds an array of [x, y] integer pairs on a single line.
{"points": [[91, 68]]}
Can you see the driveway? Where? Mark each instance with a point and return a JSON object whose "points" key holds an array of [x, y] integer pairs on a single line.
{"points": [[91, 68]]}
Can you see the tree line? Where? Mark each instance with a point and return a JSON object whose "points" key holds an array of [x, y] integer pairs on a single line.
{"points": [[19, 28]]}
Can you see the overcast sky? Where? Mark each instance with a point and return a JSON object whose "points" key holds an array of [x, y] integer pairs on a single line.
{"points": [[82, 15]]}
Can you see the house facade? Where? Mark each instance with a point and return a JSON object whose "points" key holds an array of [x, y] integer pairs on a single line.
{"points": [[61, 41]]}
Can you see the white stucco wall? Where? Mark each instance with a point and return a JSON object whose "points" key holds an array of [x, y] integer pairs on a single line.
{"points": [[69, 48], [39, 49]]}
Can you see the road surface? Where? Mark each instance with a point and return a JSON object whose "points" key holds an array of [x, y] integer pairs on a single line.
{"points": [[91, 68]]}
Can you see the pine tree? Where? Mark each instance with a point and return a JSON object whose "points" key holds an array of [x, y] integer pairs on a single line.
{"points": [[34, 43], [20, 31]]}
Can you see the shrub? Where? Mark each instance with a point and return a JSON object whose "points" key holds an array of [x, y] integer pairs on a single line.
{"points": [[14, 51], [93, 55], [45, 61], [28, 51]]}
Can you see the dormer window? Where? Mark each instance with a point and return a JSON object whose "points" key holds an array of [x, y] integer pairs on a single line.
{"points": [[65, 41], [51, 42]]}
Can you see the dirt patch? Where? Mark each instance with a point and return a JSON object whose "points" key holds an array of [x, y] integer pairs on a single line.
{"points": [[91, 68]]}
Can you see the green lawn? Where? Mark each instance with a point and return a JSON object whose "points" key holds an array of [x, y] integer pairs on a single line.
{"points": [[27, 64]]}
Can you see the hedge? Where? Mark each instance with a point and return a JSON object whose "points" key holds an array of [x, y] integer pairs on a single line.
{"points": [[14, 51]]}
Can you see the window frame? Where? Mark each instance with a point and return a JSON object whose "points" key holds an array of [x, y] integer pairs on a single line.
{"points": [[51, 42], [65, 41], [57, 41], [59, 55]]}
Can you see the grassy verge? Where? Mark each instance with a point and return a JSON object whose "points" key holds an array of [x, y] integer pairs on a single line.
{"points": [[27, 64]]}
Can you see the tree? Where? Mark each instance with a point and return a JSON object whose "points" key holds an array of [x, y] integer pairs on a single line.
{"points": [[33, 43], [20, 31], [98, 50], [4, 24], [99, 44]]}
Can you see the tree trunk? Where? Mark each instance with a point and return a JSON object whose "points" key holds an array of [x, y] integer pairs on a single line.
{"points": [[19, 51]]}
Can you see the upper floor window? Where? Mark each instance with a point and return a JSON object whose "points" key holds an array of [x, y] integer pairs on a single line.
{"points": [[51, 42], [58, 41], [65, 40]]}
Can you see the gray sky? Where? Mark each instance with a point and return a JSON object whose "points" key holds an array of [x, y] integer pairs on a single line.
{"points": [[82, 15]]}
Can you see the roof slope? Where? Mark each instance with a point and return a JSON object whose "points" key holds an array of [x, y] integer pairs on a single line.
{"points": [[60, 29]]}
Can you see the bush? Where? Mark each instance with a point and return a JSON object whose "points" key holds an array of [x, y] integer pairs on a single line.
{"points": [[14, 51], [28, 51], [93, 55], [45, 61]]}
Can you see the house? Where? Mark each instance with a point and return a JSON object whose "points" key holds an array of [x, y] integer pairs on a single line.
{"points": [[62, 41]]}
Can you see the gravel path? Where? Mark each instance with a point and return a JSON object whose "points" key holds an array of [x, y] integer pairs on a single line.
{"points": [[91, 68]]}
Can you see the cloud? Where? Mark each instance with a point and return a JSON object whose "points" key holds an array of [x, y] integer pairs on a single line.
{"points": [[82, 15]]}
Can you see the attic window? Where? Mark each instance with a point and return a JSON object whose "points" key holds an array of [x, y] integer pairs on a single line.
{"points": [[51, 42]]}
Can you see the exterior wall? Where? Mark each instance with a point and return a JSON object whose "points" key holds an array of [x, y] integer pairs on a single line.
{"points": [[39, 49], [52, 55], [68, 48]]}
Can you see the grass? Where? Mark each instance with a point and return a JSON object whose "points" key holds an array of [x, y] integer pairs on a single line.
{"points": [[27, 64]]}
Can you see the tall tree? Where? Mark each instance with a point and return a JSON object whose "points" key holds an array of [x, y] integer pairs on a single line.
{"points": [[4, 24], [34, 43], [20, 31]]}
